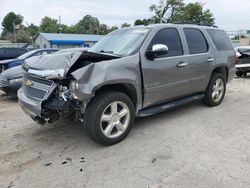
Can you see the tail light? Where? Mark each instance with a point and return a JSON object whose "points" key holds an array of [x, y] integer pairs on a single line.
{"points": [[235, 59]]}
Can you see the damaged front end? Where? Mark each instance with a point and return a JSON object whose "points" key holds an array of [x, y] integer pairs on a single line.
{"points": [[49, 91]]}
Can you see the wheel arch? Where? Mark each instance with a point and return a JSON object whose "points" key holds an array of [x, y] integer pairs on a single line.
{"points": [[126, 88], [223, 69]]}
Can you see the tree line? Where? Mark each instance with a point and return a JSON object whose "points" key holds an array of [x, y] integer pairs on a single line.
{"points": [[166, 11]]}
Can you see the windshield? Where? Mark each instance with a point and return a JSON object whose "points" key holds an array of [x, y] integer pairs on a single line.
{"points": [[26, 55], [122, 42]]}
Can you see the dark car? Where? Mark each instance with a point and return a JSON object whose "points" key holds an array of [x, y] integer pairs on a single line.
{"points": [[243, 63], [11, 80], [6, 64], [10, 53]]}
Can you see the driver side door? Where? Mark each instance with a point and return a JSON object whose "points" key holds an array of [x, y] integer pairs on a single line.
{"points": [[166, 77]]}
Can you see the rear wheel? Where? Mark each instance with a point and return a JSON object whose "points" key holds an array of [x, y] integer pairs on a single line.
{"points": [[216, 90], [109, 117]]}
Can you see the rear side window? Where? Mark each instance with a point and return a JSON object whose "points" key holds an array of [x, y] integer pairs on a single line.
{"points": [[171, 38], [220, 39], [196, 41]]}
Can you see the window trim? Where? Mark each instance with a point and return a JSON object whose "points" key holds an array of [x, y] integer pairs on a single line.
{"points": [[182, 49], [207, 43]]}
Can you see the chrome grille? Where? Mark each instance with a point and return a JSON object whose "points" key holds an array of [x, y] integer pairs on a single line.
{"points": [[39, 80], [33, 92], [35, 87], [244, 60], [3, 81]]}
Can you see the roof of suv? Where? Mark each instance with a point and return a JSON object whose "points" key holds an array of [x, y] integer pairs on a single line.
{"points": [[176, 25]]}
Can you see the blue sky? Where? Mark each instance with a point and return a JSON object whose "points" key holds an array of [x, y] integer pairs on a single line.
{"points": [[229, 14]]}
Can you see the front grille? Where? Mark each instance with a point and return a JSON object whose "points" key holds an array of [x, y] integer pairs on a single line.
{"points": [[35, 93], [3, 81], [38, 80], [245, 60], [35, 87]]}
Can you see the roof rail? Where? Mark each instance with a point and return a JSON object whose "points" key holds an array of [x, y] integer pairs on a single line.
{"points": [[194, 23]]}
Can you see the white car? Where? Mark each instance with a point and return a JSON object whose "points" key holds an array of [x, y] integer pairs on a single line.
{"points": [[243, 63]]}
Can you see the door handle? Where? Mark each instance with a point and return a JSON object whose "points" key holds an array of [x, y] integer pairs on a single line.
{"points": [[210, 59], [182, 64]]}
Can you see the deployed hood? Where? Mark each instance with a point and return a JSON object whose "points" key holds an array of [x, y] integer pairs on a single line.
{"points": [[58, 65], [3, 62], [12, 73]]}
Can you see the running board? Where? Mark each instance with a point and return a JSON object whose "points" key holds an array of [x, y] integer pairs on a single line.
{"points": [[168, 106]]}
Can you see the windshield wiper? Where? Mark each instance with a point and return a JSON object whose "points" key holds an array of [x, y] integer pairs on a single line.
{"points": [[106, 52]]}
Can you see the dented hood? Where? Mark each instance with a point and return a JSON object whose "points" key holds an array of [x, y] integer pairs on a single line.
{"points": [[58, 65]]}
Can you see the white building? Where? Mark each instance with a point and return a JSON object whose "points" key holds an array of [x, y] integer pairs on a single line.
{"points": [[61, 41]]}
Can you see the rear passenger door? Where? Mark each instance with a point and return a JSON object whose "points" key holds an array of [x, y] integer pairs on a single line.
{"points": [[200, 59], [166, 77]]}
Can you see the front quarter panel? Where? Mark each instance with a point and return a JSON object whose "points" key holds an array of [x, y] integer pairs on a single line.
{"points": [[125, 70]]}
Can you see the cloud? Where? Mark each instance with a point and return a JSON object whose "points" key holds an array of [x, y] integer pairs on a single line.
{"points": [[230, 15], [111, 12]]}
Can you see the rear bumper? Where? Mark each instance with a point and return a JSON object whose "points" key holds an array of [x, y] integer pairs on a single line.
{"points": [[231, 74], [30, 106]]}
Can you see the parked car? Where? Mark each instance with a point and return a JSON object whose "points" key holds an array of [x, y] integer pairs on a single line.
{"points": [[6, 64], [243, 63], [137, 71], [11, 79], [11, 53]]}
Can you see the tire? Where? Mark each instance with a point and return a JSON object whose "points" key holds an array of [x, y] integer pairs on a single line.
{"points": [[215, 91], [239, 73], [107, 124]]}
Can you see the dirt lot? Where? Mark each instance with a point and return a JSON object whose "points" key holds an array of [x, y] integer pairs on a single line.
{"points": [[192, 146]]}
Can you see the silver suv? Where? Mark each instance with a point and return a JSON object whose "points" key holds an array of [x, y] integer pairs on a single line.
{"points": [[137, 71]]}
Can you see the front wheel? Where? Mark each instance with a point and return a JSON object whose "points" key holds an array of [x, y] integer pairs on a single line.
{"points": [[109, 117], [216, 90], [239, 73]]}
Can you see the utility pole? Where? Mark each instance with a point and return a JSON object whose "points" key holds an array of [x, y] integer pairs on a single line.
{"points": [[60, 25], [14, 31]]}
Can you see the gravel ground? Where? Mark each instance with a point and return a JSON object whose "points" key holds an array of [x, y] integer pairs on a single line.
{"points": [[192, 146]]}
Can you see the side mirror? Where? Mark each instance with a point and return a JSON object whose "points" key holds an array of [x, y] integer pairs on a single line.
{"points": [[158, 50]]}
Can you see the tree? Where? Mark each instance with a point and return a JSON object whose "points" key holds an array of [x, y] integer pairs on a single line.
{"points": [[32, 29], [113, 28], [9, 19], [49, 25], [103, 29], [142, 22], [174, 11], [87, 25], [195, 13], [166, 10], [124, 25]]}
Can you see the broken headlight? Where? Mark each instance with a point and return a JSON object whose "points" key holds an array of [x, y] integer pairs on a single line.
{"points": [[73, 87]]}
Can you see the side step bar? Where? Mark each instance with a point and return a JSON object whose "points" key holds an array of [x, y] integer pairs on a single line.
{"points": [[168, 106]]}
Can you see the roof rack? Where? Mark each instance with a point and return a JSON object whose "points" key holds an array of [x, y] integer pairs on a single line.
{"points": [[192, 23]]}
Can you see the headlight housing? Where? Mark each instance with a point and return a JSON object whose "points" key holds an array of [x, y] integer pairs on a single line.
{"points": [[73, 87], [16, 81]]}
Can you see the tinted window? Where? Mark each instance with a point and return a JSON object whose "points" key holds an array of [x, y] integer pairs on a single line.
{"points": [[196, 41], [220, 39], [171, 38]]}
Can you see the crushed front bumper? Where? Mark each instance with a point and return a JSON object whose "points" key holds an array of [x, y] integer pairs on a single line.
{"points": [[243, 67], [31, 107]]}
